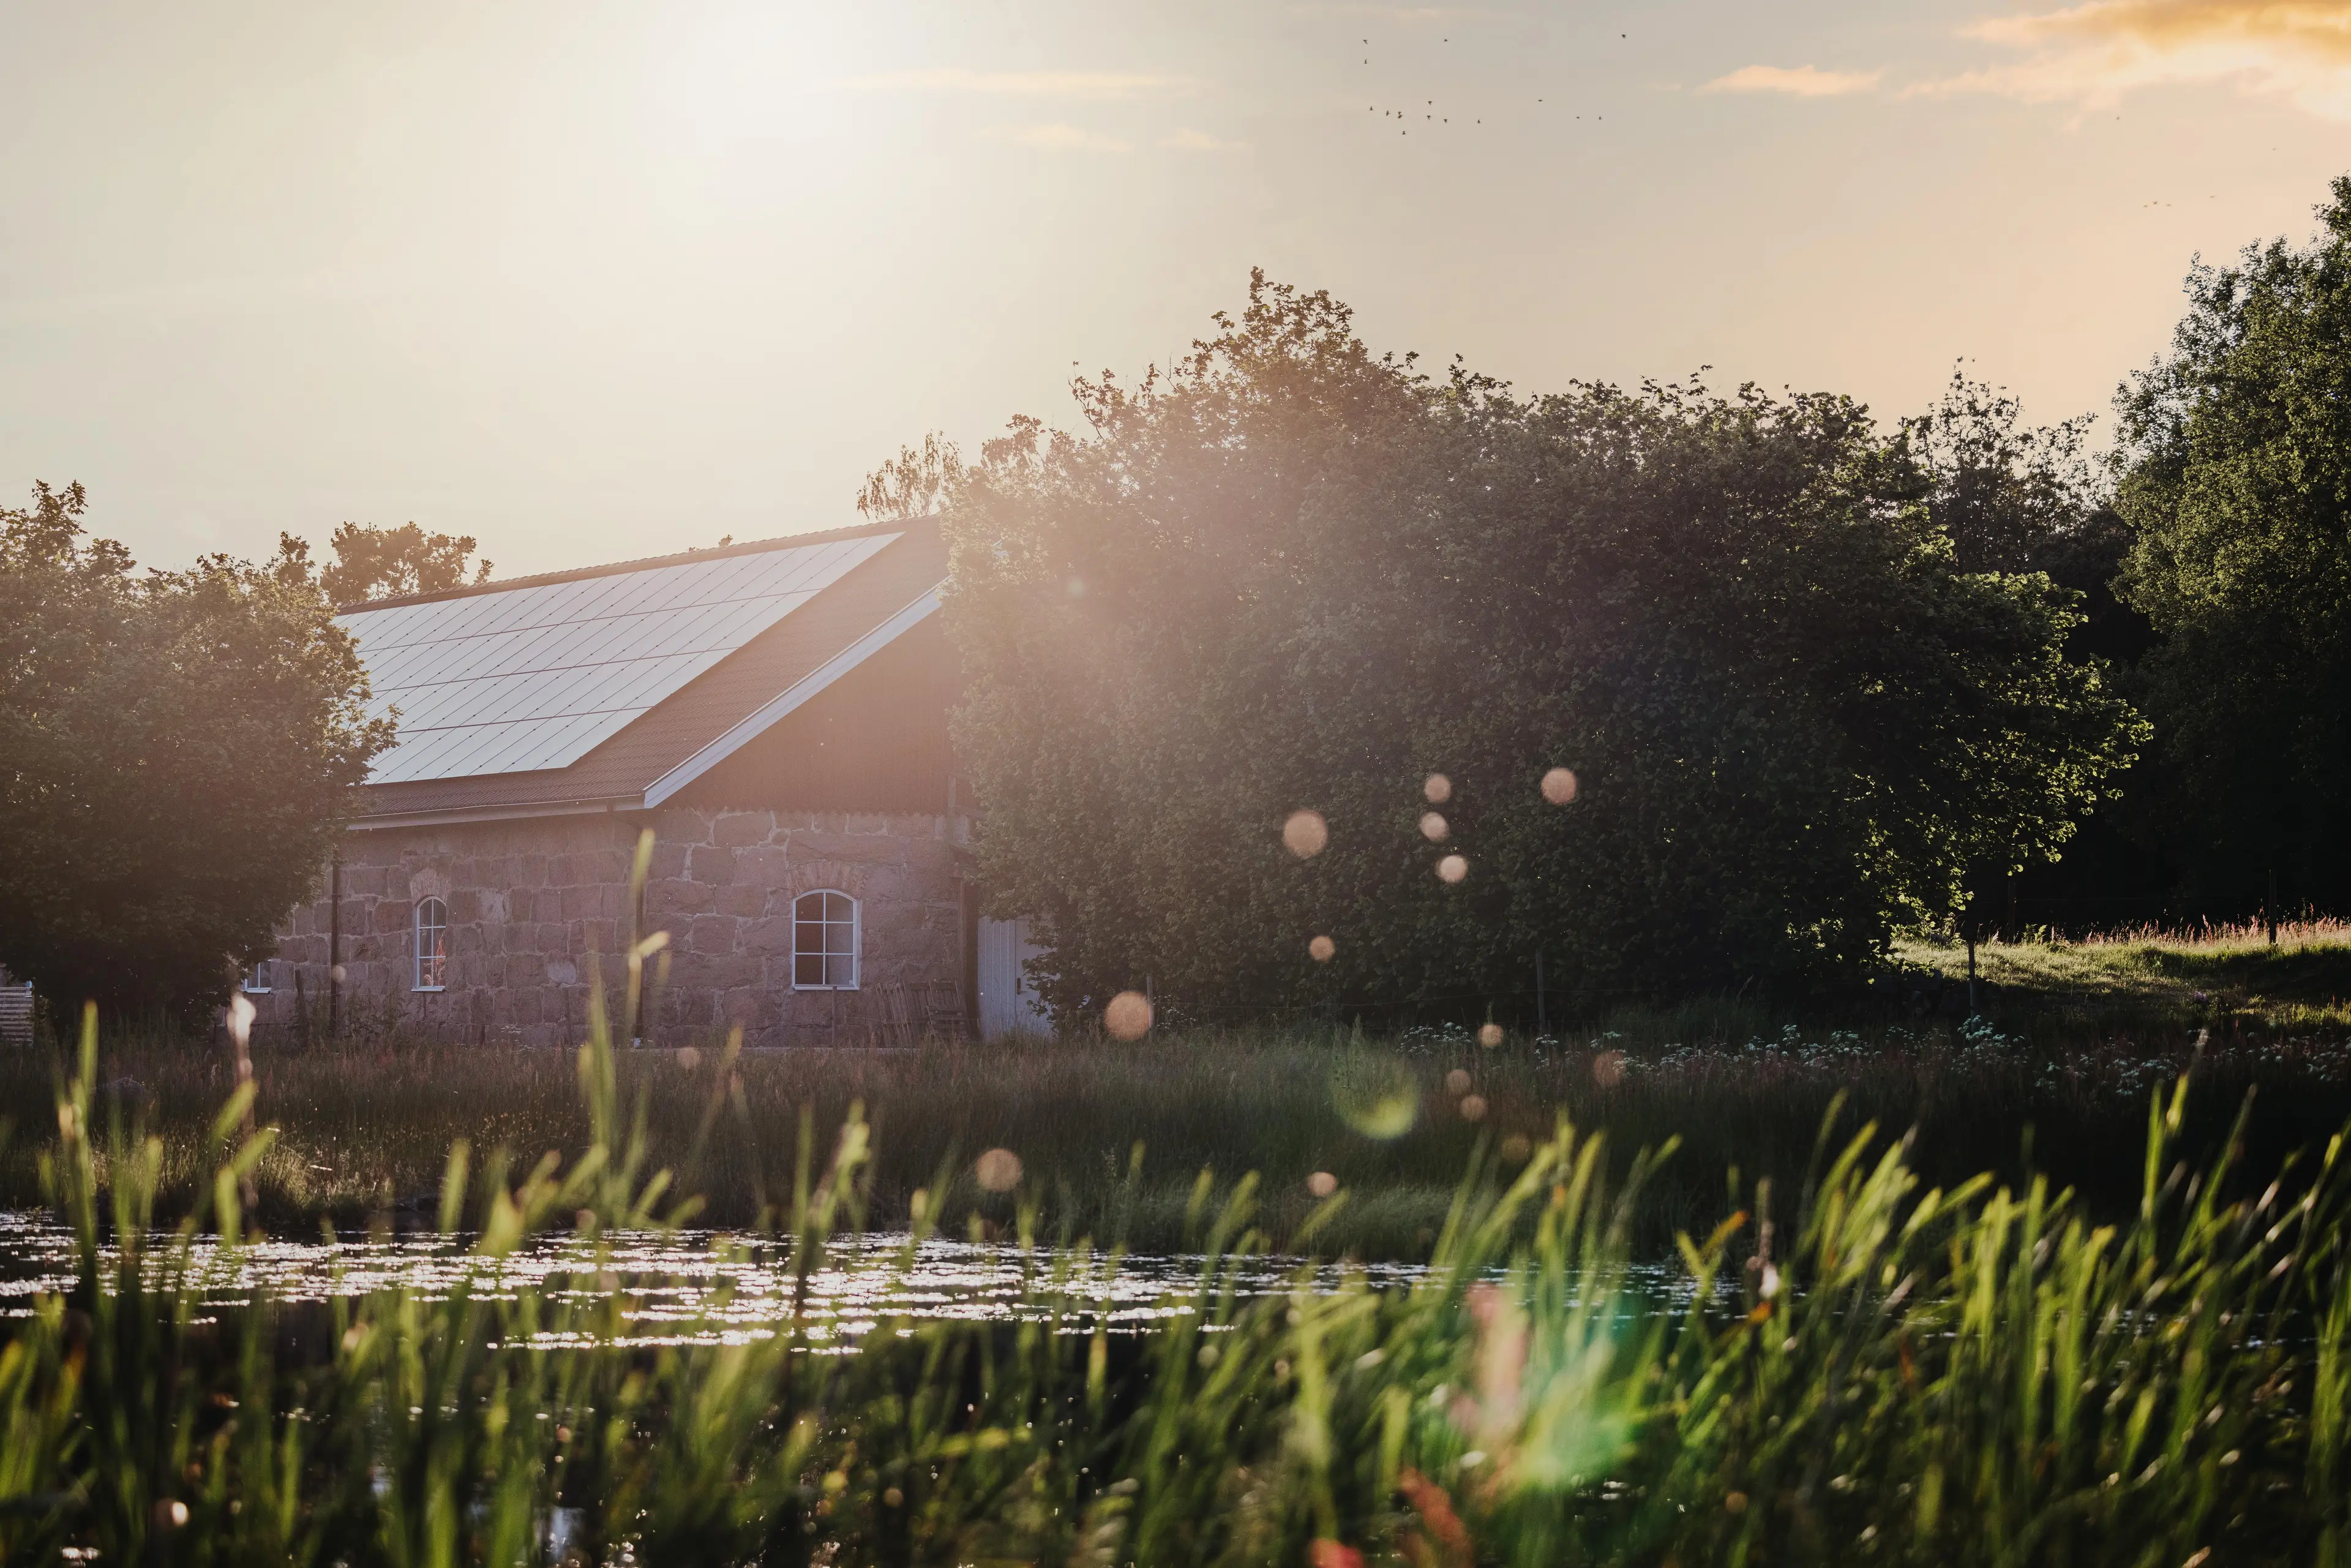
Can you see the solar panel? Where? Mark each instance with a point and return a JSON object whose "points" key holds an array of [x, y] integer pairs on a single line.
{"points": [[527, 678]]}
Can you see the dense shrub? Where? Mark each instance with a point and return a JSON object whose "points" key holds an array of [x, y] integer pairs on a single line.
{"points": [[1297, 575]]}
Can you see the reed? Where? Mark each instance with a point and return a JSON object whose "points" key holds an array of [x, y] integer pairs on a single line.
{"points": [[1865, 1365], [362, 1134]]}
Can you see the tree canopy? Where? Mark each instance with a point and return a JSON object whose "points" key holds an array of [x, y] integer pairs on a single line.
{"points": [[176, 749], [1293, 574], [2236, 480], [373, 563]]}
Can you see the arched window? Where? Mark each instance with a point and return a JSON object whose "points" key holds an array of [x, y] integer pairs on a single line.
{"points": [[824, 942], [432, 944]]}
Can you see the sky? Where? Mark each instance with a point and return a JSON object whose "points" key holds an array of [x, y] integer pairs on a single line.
{"points": [[593, 281]]}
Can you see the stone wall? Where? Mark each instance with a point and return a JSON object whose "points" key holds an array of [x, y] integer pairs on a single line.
{"points": [[532, 904]]}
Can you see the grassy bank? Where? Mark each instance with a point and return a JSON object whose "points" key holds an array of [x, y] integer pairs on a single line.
{"points": [[1869, 1368], [361, 1137]]}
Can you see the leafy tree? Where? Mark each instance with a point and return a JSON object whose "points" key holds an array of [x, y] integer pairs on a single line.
{"points": [[176, 752], [382, 563], [2015, 497], [1296, 574], [2236, 464]]}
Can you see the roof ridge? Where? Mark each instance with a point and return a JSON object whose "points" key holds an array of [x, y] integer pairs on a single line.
{"points": [[643, 563]]}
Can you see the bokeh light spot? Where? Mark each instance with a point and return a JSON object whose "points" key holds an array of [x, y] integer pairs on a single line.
{"points": [[1322, 948], [1439, 789], [1305, 834], [1433, 827], [1321, 1184], [999, 1170], [1489, 1036], [1452, 868], [689, 1058], [1515, 1149], [1376, 1095], [1128, 1016], [1608, 1069], [1559, 786], [1456, 1081], [1473, 1107]]}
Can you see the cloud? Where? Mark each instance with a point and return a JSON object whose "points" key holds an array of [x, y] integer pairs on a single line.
{"points": [[1801, 81], [1061, 138], [2095, 53], [1190, 140], [1093, 85]]}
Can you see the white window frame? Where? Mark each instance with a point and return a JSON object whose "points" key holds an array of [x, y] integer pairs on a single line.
{"points": [[827, 957], [256, 980], [418, 927]]}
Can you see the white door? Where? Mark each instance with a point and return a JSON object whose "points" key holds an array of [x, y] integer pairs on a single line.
{"points": [[1007, 1001]]}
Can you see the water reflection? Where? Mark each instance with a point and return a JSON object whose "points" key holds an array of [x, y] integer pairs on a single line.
{"points": [[711, 1287]]}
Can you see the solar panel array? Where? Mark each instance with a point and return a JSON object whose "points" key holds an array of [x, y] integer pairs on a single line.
{"points": [[528, 678]]}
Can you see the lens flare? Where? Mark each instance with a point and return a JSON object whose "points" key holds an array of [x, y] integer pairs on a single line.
{"points": [[1434, 827], [1559, 786], [1322, 948], [1377, 1096], [1439, 788], [1128, 1016], [999, 1170], [1305, 835], [1452, 868]]}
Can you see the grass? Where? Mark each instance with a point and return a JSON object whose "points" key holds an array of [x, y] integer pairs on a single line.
{"points": [[1871, 1367], [362, 1134], [2232, 973]]}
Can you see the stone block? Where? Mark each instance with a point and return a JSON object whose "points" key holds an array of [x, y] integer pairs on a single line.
{"points": [[666, 899], [743, 903], [712, 934], [711, 864], [682, 827], [740, 827]]}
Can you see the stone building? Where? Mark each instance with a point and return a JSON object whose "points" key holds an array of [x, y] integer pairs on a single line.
{"points": [[776, 715]]}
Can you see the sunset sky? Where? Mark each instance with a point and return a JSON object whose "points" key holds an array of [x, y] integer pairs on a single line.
{"points": [[593, 281]]}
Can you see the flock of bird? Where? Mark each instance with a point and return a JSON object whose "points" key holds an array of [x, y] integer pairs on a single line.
{"points": [[1405, 115]]}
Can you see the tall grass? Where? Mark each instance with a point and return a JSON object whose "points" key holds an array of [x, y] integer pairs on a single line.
{"points": [[362, 1135], [1869, 1366]]}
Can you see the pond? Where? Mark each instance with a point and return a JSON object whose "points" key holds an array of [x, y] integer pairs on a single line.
{"points": [[711, 1287]]}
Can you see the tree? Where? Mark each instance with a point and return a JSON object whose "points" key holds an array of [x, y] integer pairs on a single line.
{"points": [[176, 754], [2020, 498], [382, 563], [1296, 574], [2236, 481]]}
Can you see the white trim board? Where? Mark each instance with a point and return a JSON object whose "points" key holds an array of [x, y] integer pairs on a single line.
{"points": [[779, 707]]}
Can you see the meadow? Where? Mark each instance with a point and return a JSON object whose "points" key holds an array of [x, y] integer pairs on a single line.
{"points": [[2052, 1079]]}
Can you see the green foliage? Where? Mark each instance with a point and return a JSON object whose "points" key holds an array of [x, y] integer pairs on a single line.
{"points": [[176, 750], [1297, 575], [373, 563], [2237, 478]]}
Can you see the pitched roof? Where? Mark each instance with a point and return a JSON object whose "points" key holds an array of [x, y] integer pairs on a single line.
{"points": [[616, 686]]}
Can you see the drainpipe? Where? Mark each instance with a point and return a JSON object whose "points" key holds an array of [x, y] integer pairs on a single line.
{"points": [[335, 947]]}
